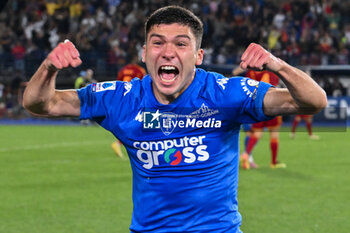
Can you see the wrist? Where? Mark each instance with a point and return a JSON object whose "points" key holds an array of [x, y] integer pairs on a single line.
{"points": [[281, 67], [51, 69]]}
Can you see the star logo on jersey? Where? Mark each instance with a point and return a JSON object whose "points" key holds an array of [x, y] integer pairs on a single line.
{"points": [[156, 115], [151, 120]]}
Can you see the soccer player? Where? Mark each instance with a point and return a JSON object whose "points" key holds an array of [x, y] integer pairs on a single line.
{"points": [[308, 121], [132, 70], [126, 74], [257, 129], [179, 124], [273, 126], [248, 133]]}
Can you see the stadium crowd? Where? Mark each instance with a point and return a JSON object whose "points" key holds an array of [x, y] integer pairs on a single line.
{"points": [[108, 33]]}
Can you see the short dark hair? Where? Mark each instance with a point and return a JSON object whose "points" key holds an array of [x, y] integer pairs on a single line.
{"points": [[176, 14]]}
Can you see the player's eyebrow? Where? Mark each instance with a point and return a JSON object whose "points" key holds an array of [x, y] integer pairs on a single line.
{"points": [[163, 37]]}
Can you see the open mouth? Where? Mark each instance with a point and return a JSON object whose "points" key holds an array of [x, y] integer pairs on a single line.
{"points": [[168, 73]]}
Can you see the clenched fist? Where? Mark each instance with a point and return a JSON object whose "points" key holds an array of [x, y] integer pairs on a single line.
{"points": [[64, 55], [257, 58]]}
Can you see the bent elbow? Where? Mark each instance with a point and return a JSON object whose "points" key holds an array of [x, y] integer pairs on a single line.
{"points": [[34, 108], [28, 101], [323, 101], [26, 104], [315, 104], [321, 104]]}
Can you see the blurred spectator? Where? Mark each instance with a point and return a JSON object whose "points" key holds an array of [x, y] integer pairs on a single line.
{"points": [[107, 31], [279, 18], [327, 86], [13, 94], [2, 100], [6, 38], [338, 88], [18, 52], [333, 20], [85, 78]]}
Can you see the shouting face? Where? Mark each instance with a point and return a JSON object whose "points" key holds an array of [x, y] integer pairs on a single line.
{"points": [[170, 55]]}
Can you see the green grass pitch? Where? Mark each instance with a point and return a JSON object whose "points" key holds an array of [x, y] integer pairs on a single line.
{"points": [[64, 179]]}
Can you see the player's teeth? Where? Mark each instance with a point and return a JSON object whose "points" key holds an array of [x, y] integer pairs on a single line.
{"points": [[168, 68]]}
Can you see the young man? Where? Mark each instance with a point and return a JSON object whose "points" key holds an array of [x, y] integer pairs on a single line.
{"points": [[180, 125]]}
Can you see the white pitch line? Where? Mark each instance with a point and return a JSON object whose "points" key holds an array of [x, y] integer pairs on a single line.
{"points": [[54, 145]]}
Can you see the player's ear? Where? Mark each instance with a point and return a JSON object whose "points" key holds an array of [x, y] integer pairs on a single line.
{"points": [[144, 53], [199, 57]]}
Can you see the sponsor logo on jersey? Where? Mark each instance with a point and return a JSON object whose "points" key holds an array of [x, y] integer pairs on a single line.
{"points": [[104, 86], [222, 82], [127, 87], [151, 120], [204, 111], [139, 116], [247, 83], [168, 121], [185, 150], [252, 83]]}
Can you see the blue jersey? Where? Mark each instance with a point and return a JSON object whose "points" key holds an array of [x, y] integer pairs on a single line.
{"points": [[184, 155]]}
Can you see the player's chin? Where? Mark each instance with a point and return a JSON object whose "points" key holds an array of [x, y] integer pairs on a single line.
{"points": [[167, 90]]}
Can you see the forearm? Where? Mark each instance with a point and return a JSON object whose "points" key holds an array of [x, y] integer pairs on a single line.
{"points": [[303, 96], [238, 71], [40, 91], [41, 97], [308, 96]]}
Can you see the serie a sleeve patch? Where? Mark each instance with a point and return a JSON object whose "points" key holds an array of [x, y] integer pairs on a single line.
{"points": [[104, 86]]}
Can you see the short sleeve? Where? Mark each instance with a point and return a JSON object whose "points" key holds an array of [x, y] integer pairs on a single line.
{"points": [[243, 99], [97, 99]]}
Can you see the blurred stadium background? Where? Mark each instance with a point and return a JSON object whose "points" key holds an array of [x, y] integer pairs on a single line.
{"points": [[59, 176]]}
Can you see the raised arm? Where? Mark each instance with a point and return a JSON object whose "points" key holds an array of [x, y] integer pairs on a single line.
{"points": [[302, 95], [41, 97], [238, 71]]}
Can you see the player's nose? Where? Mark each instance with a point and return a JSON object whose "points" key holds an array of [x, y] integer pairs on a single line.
{"points": [[168, 51]]}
